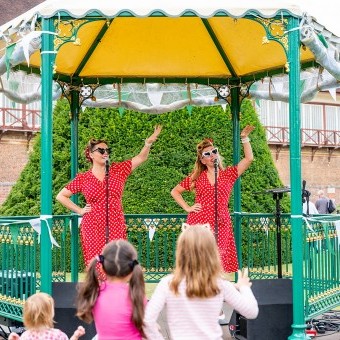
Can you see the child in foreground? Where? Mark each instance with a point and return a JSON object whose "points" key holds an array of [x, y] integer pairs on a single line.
{"points": [[117, 304], [194, 294], [38, 314]]}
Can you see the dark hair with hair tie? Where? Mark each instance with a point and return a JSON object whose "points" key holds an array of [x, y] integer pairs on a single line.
{"points": [[100, 258], [133, 263], [118, 259]]}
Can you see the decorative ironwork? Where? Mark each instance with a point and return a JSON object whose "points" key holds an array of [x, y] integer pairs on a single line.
{"points": [[223, 91], [85, 91], [68, 32], [275, 30]]}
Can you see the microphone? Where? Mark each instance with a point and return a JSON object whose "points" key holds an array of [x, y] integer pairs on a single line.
{"points": [[303, 186], [107, 165], [216, 162]]}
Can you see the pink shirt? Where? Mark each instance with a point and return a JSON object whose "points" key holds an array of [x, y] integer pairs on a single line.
{"points": [[112, 313]]}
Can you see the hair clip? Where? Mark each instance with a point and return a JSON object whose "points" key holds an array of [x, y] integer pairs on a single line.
{"points": [[100, 258], [133, 263]]}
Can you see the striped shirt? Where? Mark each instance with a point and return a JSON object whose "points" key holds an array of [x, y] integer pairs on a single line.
{"points": [[195, 318]]}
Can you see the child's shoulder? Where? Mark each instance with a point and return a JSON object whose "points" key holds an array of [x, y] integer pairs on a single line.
{"points": [[48, 334]]}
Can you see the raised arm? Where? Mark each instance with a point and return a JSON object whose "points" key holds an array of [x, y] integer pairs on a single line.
{"points": [[144, 153], [244, 164]]}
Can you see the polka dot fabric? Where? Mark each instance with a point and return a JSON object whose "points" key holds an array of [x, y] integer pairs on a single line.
{"points": [[205, 195], [93, 224]]}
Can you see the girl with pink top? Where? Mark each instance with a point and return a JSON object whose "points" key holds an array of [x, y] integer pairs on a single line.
{"points": [[38, 314], [193, 296], [117, 304]]}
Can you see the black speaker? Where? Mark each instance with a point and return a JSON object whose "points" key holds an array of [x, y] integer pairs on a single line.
{"points": [[64, 295], [275, 300]]}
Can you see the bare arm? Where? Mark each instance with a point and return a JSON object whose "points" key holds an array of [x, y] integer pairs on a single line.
{"points": [[244, 164], [176, 193], [80, 331], [64, 198], [144, 153]]}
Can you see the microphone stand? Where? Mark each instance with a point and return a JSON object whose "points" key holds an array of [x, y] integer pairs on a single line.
{"points": [[215, 201], [277, 196], [107, 234]]}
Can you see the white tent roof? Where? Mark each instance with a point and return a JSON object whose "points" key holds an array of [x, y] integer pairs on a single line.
{"points": [[226, 51]]}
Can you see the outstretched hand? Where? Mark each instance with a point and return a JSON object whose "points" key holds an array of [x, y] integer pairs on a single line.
{"points": [[247, 130], [243, 279], [154, 136], [80, 331]]}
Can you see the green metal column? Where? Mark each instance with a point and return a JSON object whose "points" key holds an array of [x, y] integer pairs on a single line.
{"points": [[235, 110], [47, 60], [74, 169], [295, 180]]}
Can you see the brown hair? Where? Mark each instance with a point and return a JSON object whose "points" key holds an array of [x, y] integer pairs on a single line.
{"points": [[197, 262], [199, 167], [38, 311], [119, 259], [91, 146]]}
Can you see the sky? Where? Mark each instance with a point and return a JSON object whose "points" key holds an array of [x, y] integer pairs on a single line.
{"points": [[326, 12]]}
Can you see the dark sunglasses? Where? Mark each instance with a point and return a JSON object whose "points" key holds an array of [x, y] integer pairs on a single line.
{"points": [[102, 150], [210, 153]]}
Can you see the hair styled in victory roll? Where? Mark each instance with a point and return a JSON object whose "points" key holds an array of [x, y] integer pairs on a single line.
{"points": [[197, 262], [199, 167], [119, 259], [91, 145]]}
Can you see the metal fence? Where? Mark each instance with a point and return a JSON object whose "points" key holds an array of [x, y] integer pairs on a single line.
{"points": [[155, 236]]}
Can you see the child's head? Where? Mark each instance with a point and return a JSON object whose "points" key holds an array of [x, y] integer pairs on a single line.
{"points": [[38, 311], [197, 261], [119, 258]]}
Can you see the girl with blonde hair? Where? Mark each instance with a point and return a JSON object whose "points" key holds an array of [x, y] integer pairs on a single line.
{"points": [[202, 182], [117, 304], [38, 314], [194, 294]]}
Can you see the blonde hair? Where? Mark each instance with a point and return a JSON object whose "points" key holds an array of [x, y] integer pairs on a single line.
{"points": [[199, 167], [118, 259], [38, 311], [197, 262]]}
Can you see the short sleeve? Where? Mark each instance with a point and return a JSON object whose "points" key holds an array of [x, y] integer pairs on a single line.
{"points": [[232, 173], [124, 168], [186, 183], [76, 184]]}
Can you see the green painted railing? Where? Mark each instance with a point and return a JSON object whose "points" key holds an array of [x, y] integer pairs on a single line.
{"points": [[154, 237]]}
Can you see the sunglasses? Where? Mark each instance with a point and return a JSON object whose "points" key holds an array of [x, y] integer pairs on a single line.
{"points": [[210, 153], [102, 150]]}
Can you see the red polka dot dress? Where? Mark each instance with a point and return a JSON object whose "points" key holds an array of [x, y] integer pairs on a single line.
{"points": [[93, 224], [205, 195]]}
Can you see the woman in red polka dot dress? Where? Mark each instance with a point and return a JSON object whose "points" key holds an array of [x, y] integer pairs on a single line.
{"points": [[202, 182], [92, 184]]}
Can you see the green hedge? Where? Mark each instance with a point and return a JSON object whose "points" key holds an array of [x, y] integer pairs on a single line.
{"points": [[172, 157]]}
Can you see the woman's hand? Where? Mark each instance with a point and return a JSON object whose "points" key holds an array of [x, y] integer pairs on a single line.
{"points": [[194, 208], [246, 131], [153, 137], [85, 210], [243, 279]]}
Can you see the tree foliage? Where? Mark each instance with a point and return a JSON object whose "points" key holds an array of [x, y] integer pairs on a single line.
{"points": [[171, 159]]}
